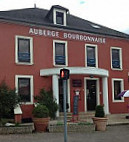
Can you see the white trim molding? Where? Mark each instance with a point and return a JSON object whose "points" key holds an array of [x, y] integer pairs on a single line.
{"points": [[82, 71], [85, 91], [105, 94], [66, 52], [96, 54], [31, 86], [120, 56], [76, 70], [55, 88], [64, 16], [122, 88], [16, 50]]}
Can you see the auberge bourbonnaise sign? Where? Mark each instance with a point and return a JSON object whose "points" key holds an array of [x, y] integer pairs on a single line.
{"points": [[66, 35]]}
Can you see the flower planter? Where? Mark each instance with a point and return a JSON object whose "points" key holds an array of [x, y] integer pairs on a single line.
{"points": [[100, 123], [71, 127], [21, 129], [41, 124]]}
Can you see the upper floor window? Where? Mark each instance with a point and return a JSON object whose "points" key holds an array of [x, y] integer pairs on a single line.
{"points": [[91, 56], [116, 58], [59, 17], [24, 50], [24, 87], [117, 89], [60, 53]]}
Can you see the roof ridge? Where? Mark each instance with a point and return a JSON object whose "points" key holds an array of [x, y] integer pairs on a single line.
{"points": [[23, 9]]}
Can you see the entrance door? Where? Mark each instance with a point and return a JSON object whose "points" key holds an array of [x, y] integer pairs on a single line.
{"points": [[91, 94]]}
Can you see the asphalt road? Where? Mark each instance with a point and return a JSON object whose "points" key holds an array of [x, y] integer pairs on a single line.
{"points": [[112, 134]]}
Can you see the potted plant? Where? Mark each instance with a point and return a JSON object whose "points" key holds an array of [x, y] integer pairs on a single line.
{"points": [[100, 120], [46, 98], [40, 117]]}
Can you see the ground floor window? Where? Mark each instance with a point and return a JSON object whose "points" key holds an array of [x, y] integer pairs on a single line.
{"points": [[117, 89], [24, 87]]}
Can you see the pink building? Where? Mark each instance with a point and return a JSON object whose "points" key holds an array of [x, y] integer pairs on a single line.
{"points": [[36, 43]]}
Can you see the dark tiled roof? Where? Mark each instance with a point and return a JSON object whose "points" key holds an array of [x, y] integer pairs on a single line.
{"points": [[39, 17], [59, 7]]}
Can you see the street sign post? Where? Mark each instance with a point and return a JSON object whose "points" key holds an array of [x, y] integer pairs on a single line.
{"points": [[64, 75]]}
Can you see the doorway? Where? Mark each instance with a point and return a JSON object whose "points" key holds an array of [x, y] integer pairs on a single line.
{"points": [[91, 94]]}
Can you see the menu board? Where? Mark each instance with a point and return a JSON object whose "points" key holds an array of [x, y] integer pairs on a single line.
{"points": [[75, 105], [77, 83]]}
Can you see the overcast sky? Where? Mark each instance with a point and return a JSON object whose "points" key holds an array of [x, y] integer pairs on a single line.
{"points": [[111, 13]]}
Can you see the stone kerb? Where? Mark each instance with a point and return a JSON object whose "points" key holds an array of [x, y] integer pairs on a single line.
{"points": [[73, 127]]}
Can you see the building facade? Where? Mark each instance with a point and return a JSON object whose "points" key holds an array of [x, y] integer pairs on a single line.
{"points": [[36, 43]]}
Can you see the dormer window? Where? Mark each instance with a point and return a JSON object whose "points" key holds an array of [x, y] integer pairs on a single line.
{"points": [[59, 17]]}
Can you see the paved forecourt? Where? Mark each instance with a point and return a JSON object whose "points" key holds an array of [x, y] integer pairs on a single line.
{"points": [[116, 133]]}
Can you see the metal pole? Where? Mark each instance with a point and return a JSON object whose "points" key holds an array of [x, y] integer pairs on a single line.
{"points": [[65, 114]]}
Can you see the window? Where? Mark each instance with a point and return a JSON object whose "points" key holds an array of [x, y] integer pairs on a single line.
{"points": [[116, 58], [24, 50], [91, 56], [24, 87], [117, 89], [59, 17], [60, 53]]}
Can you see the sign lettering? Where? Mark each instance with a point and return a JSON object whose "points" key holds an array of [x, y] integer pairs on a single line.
{"points": [[66, 35]]}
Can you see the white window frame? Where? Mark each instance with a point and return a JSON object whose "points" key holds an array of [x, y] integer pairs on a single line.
{"points": [[96, 54], [120, 54], [122, 88], [66, 53], [54, 16], [16, 50], [31, 86]]}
